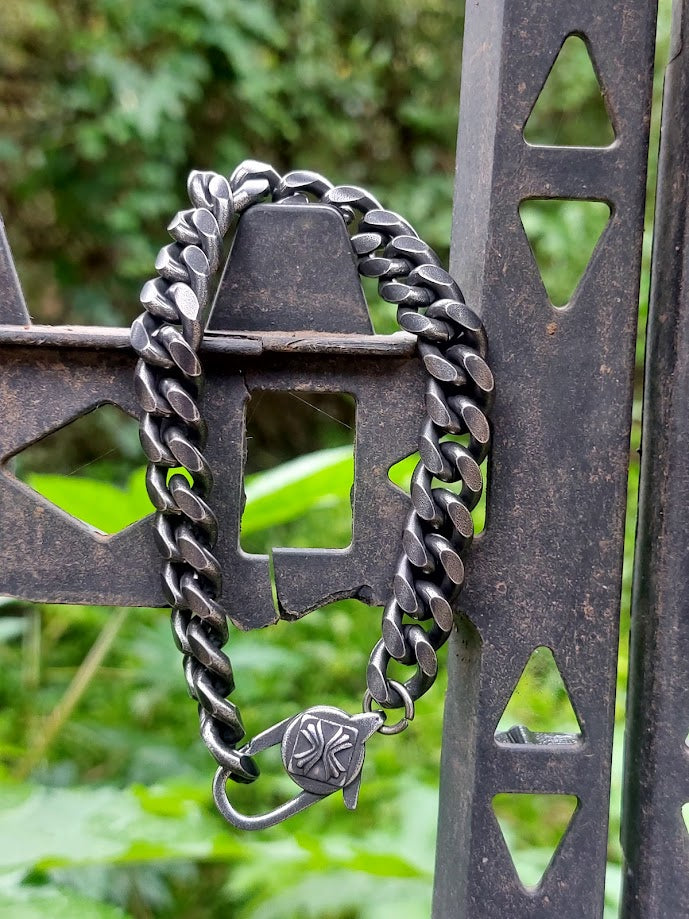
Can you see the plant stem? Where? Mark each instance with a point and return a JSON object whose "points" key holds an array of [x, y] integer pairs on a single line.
{"points": [[76, 689], [31, 675]]}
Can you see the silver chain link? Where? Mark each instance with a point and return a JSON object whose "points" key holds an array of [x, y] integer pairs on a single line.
{"points": [[168, 378]]}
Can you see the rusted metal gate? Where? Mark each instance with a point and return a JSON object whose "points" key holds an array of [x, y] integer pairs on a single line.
{"points": [[547, 569]]}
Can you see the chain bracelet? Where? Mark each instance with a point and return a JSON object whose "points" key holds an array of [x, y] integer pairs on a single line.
{"points": [[323, 748]]}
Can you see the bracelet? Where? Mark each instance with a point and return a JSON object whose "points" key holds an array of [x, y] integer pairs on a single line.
{"points": [[322, 747]]}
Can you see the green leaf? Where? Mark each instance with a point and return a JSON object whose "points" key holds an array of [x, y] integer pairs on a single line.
{"points": [[102, 825], [334, 893], [26, 902], [99, 504], [272, 497], [286, 492], [385, 872]]}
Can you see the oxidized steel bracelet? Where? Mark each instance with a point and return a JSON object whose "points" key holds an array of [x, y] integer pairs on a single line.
{"points": [[323, 747]]}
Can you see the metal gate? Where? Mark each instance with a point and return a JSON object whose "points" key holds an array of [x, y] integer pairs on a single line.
{"points": [[547, 569]]}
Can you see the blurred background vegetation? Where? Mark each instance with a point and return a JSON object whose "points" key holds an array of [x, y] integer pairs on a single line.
{"points": [[104, 107]]}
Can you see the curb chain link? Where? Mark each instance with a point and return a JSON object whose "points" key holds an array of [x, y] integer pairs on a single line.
{"points": [[168, 379]]}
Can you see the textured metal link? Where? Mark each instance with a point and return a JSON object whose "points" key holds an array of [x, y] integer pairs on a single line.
{"points": [[403, 723], [452, 345]]}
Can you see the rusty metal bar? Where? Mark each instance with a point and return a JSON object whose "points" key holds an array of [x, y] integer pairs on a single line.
{"points": [[655, 838], [97, 338], [547, 569]]}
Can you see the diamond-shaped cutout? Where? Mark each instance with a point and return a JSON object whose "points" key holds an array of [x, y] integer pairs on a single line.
{"points": [[539, 709], [563, 234], [92, 468], [570, 110], [533, 827]]}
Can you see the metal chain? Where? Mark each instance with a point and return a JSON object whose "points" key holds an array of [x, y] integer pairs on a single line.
{"points": [[168, 378]]}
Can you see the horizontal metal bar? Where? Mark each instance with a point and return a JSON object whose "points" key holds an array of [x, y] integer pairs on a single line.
{"points": [[551, 768], [579, 173], [400, 344]]}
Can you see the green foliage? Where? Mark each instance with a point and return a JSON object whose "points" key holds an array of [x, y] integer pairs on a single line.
{"points": [[563, 236], [105, 826], [101, 805], [540, 700], [321, 479], [105, 106], [104, 506], [521, 818], [55, 903]]}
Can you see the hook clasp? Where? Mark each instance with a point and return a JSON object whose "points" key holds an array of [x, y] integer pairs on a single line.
{"points": [[322, 751]]}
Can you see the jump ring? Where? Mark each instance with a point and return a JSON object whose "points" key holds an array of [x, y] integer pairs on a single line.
{"points": [[403, 723]]}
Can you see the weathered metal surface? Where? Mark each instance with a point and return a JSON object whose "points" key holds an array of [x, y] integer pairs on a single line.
{"points": [[99, 338], [305, 288], [655, 838], [64, 373], [547, 569], [43, 389], [11, 296], [307, 578]]}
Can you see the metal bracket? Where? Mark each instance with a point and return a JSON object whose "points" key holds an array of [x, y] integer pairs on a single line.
{"points": [[50, 376]]}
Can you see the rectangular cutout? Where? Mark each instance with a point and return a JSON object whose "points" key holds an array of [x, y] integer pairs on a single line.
{"points": [[303, 444]]}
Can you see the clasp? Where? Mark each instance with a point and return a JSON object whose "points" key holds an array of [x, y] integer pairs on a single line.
{"points": [[323, 751]]}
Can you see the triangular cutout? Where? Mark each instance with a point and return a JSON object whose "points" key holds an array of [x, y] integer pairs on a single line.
{"points": [[563, 234], [533, 827], [539, 709], [570, 110]]}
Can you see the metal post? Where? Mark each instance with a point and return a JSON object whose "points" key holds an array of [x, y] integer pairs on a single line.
{"points": [[547, 570], [656, 842]]}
